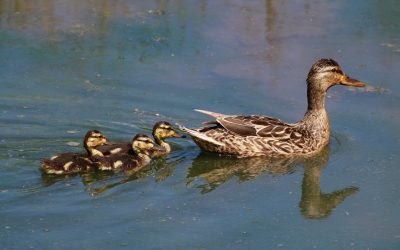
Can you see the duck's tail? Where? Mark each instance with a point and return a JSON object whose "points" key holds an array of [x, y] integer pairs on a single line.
{"points": [[210, 113], [201, 136]]}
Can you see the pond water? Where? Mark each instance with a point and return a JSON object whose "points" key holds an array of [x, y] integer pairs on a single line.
{"points": [[120, 66]]}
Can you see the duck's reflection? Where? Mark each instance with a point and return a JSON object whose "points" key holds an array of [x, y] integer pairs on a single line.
{"points": [[314, 204], [215, 170]]}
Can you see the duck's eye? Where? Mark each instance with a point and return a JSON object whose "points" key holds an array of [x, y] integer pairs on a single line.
{"points": [[337, 71]]}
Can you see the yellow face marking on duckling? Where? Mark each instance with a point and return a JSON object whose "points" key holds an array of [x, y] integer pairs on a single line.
{"points": [[67, 165], [165, 131], [143, 144], [95, 139]]}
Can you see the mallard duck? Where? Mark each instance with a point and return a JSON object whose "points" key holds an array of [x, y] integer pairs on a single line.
{"points": [[256, 135], [161, 131], [68, 163], [138, 156]]}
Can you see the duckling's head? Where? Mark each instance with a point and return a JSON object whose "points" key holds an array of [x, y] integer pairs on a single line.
{"points": [[326, 73], [143, 144], [94, 138], [163, 130]]}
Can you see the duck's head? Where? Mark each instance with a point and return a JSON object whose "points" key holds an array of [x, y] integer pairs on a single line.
{"points": [[163, 130], [94, 138], [324, 74], [143, 144]]}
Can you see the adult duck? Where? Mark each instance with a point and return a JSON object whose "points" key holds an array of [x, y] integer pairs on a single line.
{"points": [[256, 135]]}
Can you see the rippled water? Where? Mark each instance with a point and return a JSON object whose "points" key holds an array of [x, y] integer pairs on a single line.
{"points": [[70, 66]]}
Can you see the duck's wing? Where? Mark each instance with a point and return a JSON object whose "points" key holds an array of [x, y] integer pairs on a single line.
{"points": [[256, 126], [252, 125]]}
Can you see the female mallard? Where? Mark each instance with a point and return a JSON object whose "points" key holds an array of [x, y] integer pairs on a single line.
{"points": [[256, 135], [68, 163], [138, 156], [161, 131]]}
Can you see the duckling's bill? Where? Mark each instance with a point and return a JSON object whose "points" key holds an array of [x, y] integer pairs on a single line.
{"points": [[178, 135]]}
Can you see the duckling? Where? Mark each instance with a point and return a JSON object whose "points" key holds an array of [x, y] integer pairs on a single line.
{"points": [[255, 135], [161, 131], [138, 156], [68, 163]]}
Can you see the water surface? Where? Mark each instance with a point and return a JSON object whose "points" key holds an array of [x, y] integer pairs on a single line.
{"points": [[70, 66]]}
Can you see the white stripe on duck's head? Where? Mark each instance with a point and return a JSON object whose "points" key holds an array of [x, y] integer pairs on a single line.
{"points": [[143, 144]]}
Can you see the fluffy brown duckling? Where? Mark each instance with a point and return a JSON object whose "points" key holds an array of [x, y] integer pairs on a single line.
{"points": [[69, 163], [139, 155], [161, 131]]}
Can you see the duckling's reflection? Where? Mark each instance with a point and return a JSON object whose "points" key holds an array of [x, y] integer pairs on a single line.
{"points": [[314, 204], [161, 168], [98, 182]]}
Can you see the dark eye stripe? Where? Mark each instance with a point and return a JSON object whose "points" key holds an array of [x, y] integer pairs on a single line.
{"points": [[145, 140], [336, 71]]}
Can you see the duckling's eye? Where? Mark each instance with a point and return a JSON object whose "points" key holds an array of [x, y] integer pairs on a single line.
{"points": [[145, 140]]}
